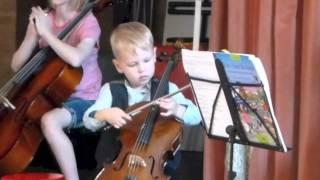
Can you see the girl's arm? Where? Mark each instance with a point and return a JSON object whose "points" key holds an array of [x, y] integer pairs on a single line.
{"points": [[73, 55], [26, 48]]}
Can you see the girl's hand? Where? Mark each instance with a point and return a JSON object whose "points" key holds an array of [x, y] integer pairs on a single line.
{"points": [[40, 19], [169, 105], [114, 116], [31, 29]]}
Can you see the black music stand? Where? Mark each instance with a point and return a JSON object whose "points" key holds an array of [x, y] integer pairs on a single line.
{"points": [[239, 95]]}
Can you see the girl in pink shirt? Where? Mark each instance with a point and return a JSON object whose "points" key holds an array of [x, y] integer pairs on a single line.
{"points": [[78, 50]]}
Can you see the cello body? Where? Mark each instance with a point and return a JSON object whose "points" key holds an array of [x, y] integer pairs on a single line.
{"points": [[20, 133], [164, 141]]}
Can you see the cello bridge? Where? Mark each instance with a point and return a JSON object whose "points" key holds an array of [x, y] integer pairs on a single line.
{"points": [[135, 160]]}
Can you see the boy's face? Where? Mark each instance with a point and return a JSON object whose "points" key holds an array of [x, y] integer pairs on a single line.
{"points": [[137, 67]]}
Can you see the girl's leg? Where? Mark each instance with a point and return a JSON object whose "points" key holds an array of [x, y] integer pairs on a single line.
{"points": [[52, 124]]}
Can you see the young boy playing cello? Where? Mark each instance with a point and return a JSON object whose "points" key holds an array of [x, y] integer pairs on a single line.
{"points": [[135, 57]]}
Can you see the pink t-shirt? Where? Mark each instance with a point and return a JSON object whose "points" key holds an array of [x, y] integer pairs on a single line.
{"points": [[90, 84]]}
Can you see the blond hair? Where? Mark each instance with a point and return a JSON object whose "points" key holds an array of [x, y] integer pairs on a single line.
{"points": [[131, 36]]}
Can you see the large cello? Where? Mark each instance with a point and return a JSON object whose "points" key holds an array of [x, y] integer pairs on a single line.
{"points": [[148, 141], [40, 85]]}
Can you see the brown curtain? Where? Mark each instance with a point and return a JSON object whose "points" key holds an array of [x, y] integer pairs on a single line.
{"points": [[285, 35]]}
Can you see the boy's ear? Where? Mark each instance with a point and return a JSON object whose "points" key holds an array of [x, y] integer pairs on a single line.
{"points": [[155, 53], [116, 64]]}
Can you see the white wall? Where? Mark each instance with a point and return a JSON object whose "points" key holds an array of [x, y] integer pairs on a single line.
{"points": [[179, 25]]}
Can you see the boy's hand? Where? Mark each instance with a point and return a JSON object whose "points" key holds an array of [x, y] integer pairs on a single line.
{"points": [[169, 105], [114, 116]]}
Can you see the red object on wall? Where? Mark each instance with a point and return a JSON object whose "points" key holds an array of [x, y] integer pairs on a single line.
{"points": [[178, 75]]}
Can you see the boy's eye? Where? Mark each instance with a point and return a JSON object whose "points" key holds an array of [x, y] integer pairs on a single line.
{"points": [[132, 64], [146, 60]]}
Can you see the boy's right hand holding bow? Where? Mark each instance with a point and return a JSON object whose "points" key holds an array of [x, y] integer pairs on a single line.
{"points": [[114, 116]]}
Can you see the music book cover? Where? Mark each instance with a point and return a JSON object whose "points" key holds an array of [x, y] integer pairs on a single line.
{"points": [[246, 100]]}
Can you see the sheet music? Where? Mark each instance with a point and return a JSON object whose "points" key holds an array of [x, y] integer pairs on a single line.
{"points": [[206, 93], [200, 64]]}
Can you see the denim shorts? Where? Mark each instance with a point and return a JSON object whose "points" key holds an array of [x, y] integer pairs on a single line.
{"points": [[77, 107]]}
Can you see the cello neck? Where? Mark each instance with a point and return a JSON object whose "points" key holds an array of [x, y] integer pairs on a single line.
{"points": [[163, 85], [153, 114]]}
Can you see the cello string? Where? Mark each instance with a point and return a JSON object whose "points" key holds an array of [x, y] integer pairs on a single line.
{"points": [[138, 146], [16, 78], [10, 84], [6, 102], [131, 164], [143, 134], [5, 88], [149, 122], [31, 66]]}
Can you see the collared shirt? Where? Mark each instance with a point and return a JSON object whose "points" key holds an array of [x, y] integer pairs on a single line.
{"points": [[138, 95], [189, 114]]}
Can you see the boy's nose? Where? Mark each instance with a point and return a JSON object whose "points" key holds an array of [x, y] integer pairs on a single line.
{"points": [[140, 68]]}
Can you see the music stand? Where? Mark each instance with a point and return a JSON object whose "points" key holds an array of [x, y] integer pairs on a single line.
{"points": [[238, 109]]}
